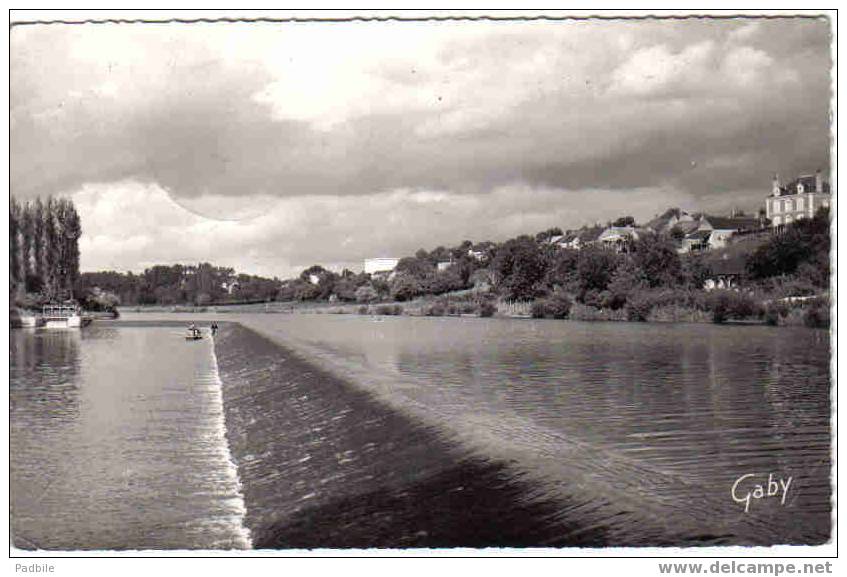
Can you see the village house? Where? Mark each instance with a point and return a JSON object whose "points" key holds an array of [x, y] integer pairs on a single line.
{"points": [[715, 232], [382, 267], [722, 228], [725, 273], [620, 238], [577, 239], [800, 198], [673, 218], [695, 241]]}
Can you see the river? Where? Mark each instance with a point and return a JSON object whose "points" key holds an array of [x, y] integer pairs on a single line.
{"points": [[541, 432]]}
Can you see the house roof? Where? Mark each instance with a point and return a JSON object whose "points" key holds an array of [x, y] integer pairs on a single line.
{"points": [[590, 234], [699, 235], [733, 223], [809, 182], [687, 226], [663, 221]]}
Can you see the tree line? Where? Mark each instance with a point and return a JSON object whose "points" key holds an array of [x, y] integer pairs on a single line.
{"points": [[200, 284], [43, 249]]}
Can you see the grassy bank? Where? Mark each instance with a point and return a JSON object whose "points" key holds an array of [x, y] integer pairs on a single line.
{"points": [[657, 306]]}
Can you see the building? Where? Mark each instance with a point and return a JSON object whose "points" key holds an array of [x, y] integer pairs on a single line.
{"points": [[380, 265], [620, 238], [722, 228], [670, 219], [800, 198], [725, 273], [444, 265], [696, 241], [577, 239]]}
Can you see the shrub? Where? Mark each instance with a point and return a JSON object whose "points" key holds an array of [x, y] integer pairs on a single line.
{"points": [[389, 310], [817, 314], [538, 309], [468, 308], [366, 294], [363, 310], [728, 304], [558, 305], [592, 298], [436, 309], [487, 309], [771, 316], [638, 307], [404, 288]]}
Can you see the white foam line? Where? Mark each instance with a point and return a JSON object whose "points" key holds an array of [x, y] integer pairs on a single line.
{"points": [[246, 539]]}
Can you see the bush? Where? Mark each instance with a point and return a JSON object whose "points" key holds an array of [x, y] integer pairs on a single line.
{"points": [[366, 294], [817, 314], [436, 309], [771, 316], [389, 310], [538, 310], [404, 288], [363, 310], [728, 304], [638, 307], [556, 306], [592, 298], [487, 309]]}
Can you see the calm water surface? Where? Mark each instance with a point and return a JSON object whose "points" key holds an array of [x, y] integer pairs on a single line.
{"points": [[117, 442], [641, 429]]}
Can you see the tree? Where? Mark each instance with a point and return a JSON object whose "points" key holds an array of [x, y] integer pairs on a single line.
{"points": [[561, 267], [366, 294], [404, 287], [805, 241], [695, 271], [595, 267], [418, 266], [519, 268], [624, 221], [657, 258], [16, 278]]}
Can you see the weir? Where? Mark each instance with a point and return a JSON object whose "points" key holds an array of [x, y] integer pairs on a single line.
{"points": [[331, 461], [324, 465]]}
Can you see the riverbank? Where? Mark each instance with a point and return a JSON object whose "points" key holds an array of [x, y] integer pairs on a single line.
{"points": [[730, 307]]}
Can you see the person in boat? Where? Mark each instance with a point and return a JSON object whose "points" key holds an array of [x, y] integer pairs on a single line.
{"points": [[214, 328], [193, 330]]}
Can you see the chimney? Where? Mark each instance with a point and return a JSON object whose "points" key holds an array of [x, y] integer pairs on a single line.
{"points": [[776, 188], [818, 181]]}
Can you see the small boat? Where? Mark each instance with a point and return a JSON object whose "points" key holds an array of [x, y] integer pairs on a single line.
{"points": [[67, 316], [196, 337]]}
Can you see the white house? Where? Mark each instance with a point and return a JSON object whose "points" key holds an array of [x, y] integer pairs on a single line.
{"points": [[380, 265], [800, 198], [620, 237]]}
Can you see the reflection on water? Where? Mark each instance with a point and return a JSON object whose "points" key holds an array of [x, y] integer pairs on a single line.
{"points": [[117, 442], [656, 419]]}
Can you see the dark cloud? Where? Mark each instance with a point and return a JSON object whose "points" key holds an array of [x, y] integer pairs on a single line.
{"points": [[703, 110]]}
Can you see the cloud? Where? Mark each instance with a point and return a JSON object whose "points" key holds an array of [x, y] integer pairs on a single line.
{"points": [[304, 127]]}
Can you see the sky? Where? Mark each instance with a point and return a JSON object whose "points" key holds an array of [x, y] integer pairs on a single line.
{"points": [[269, 147]]}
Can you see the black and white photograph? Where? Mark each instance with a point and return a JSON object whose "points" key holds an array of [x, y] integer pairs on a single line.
{"points": [[422, 282]]}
